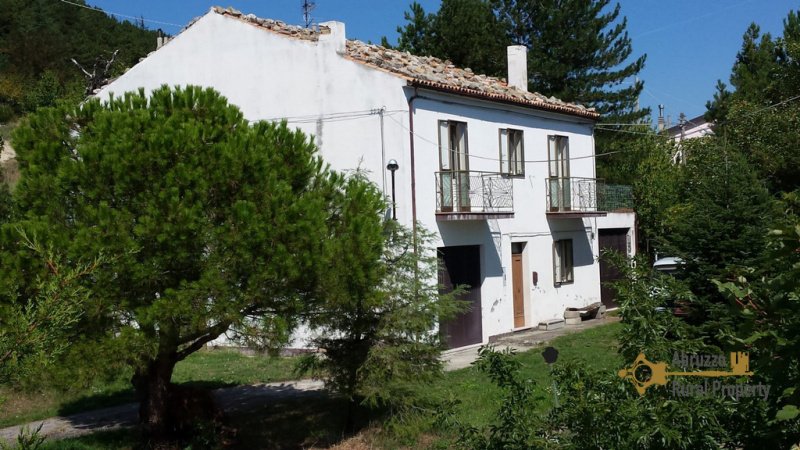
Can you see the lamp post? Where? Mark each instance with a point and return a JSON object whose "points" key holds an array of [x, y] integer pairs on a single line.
{"points": [[392, 167]]}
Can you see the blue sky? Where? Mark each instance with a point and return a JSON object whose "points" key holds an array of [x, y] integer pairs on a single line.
{"points": [[689, 43]]}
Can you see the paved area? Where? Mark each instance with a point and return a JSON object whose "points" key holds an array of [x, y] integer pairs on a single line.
{"points": [[244, 398], [519, 341]]}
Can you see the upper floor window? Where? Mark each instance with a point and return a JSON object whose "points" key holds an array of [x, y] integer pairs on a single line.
{"points": [[512, 152], [453, 146], [559, 185], [558, 155]]}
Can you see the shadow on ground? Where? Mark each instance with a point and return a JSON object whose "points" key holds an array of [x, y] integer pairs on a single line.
{"points": [[105, 400], [316, 420]]}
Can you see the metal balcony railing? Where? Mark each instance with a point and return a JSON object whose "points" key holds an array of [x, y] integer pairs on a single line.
{"points": [[572, 194], [462, 191], [614, 197]]}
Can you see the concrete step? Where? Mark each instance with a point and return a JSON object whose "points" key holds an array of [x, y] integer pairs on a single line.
{"points": [[552, 324]]}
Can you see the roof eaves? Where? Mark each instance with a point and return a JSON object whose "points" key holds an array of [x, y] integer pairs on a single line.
{"points": [[563, 109]]}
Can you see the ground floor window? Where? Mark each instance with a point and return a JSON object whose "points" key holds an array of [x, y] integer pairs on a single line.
{"points": [[562, 261]]}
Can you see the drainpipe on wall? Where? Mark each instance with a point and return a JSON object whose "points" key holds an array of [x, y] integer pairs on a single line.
{"points": [[413, 167], [383, 150]]}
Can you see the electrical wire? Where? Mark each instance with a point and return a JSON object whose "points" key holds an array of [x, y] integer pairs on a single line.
{"points": [[527, 161], [641, 133], [121, 15], [691, 19], [775, 105], [336, 117]]}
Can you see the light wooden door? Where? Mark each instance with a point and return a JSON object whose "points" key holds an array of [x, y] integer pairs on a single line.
{"points": [[519, 296]]}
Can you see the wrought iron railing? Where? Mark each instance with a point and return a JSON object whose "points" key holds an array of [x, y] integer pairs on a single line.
{"points": [[474, 192], [614, 197], [572, 194]]}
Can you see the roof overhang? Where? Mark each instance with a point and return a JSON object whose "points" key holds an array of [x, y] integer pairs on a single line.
{"points": [[507, 99]]}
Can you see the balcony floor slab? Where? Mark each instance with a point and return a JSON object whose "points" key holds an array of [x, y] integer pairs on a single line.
{"points": [[473, 215]]}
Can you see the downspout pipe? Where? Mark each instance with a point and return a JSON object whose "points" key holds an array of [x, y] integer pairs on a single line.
{"points": [[413, 166]]}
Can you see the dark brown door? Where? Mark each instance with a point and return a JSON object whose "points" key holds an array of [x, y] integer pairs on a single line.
{"points": [[611, 239], [461, 265], [519, 296]]}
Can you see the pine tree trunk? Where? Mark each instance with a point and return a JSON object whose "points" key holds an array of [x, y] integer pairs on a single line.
{"points": [[350, 421], [152, 386]]}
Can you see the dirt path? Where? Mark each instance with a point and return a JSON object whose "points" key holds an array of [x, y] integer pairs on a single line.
{"points": [[520, 341], [234, 399]]}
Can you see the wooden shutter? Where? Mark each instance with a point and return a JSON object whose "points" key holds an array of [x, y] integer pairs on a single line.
{"points": [[504, 156], [444, 146]]}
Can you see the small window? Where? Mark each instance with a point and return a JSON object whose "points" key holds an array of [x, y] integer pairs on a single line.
{"points": [[512, 153], [562, 261]]}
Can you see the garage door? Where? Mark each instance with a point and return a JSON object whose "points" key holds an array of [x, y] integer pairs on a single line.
{"points": [[461, 265], [611, 239]]}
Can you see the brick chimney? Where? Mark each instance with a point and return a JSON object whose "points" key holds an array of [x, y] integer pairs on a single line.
{"points": [[518, 67], [333, 33]]}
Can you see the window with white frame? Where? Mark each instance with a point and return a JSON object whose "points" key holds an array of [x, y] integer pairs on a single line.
{"points": [[562, 261], [512, 152]]}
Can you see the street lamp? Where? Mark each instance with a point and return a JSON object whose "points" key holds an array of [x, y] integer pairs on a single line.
{"points": [[392, 167]]}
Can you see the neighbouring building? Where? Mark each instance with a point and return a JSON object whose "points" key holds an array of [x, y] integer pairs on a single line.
{"points": [[687, 129], [690, 128], [505, 177]]}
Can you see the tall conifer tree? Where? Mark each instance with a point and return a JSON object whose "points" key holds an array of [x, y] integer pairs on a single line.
{"points": [[579, 50]]}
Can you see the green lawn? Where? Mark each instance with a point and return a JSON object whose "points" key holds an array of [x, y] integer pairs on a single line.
{"points": [[596, 348], [206, 368], [318, 421]]}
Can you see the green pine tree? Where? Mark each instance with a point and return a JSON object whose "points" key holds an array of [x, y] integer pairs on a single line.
{"points": [[415, 37], [376, 323], [211, 224], [578, 51]]}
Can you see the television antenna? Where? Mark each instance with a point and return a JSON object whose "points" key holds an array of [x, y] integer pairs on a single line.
{"points": [[308, 6]]}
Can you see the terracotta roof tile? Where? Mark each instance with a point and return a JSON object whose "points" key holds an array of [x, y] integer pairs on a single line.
{"points": [[425, 71]]}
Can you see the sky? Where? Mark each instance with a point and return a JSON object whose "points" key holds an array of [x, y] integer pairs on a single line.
{"points": [[690, 44]]}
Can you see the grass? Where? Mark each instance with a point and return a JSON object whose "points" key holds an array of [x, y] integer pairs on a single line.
{"points": [[106, 440], [206, 368], [595, 347], [318, 421], [478, 398]]}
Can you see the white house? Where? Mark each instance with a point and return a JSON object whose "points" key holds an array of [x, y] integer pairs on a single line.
{"points": [[505, 177], [690, 128]]}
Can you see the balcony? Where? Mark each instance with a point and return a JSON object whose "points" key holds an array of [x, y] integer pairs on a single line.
{"points": [[471, 195], [569, 198], [615, 197]]}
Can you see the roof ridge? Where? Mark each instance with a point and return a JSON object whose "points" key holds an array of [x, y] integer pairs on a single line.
{"points": [[427, 71]]}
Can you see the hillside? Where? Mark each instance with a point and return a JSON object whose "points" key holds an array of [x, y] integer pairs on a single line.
{"points": [[38, 38]]}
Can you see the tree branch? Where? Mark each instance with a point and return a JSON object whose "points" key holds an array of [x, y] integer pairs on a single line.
{"points": [[210, 334]]}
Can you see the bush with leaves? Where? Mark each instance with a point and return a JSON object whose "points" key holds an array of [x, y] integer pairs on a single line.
{"points": [[766, 301], [517, 426], [382, 305], [601, 410], [645, 297]]}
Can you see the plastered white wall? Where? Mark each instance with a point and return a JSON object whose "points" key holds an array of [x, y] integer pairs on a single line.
{"points": [[321, 92]]}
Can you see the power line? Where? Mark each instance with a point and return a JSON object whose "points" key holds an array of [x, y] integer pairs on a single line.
{"points": [[544, 161], [775, 105], [643, 133], [691, 19], [335, 117], [121, 15]]}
